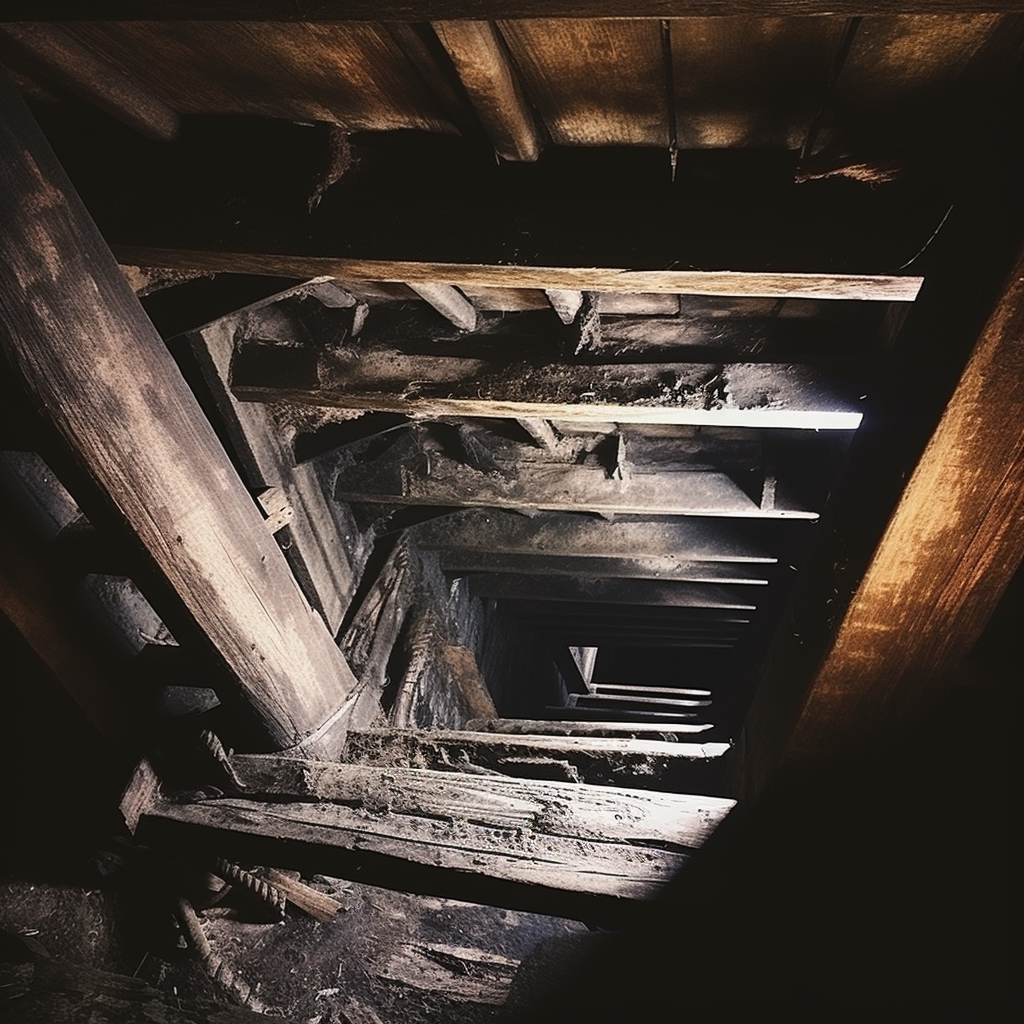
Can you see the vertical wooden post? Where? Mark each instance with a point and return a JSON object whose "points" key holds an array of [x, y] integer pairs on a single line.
{"points": [[144, 458]]}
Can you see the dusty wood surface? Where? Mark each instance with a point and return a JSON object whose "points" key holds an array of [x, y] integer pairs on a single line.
{"points": [[415, 10], [463, 974], [318, 542], [594, 82], [59, 992], [514, 854], [434, 479], [560, 809], [737, 394], [544, 727], [634, 763], [70, 64], [666, 568], [880, 288], [353, 75], [949, 552], [695, 540], [492, 82], [79, 344]]}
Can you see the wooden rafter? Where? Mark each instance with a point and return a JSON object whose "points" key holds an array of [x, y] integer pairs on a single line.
{"points": [[144, 456]]}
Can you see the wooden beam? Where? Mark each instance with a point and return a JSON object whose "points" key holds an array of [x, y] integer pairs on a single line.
{"points": [[760, 284], [390, 479], [478, 53], [545, 727], [449, 302], [548, 564], [604, 841], [320, 559], [948, 553], [635, 763], [781, 395], [145, 460], [421, 10], [641, 592], [67, 62], [693, 540]]}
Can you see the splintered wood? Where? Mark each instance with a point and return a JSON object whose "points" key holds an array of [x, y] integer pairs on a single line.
{"points": [[592, 840]]}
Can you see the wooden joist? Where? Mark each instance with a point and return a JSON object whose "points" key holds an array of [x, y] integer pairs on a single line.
{"points": [[597, 760], [735, 395], [420, 10], [409, 478], [497, 834], [666, 568], [611, 729], [317, 552], [492, 83], [637, 592], [761, 284], [146, 462]]}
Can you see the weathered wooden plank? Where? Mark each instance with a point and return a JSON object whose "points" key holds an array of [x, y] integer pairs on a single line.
{"points": [[598, 760], [594, 82], [596, 700], [78, 343], [266, 460], [318, 833], [568, 669], [643, 592], [572, 713], [419, 10], [478, 53], [737, 394], [695, 540], [656, 615], [652, 691], [553, 487], [945, 559], [748, 81], [353, 75], [64, 60], [610, 729], [553, 808], [866, 287], [548, 564]]}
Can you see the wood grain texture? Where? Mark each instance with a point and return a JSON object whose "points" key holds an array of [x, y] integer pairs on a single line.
{"points": [[742, 81], [493, 85], [449, 302], [419, 10], [594, 813], [503, 532], [67, 62], [595, 83], [392, 380], [613, 730], [950, 549], [79, 345], [350, 74], [266, 461], [880, 288], [513, 854], [896, 63]]}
